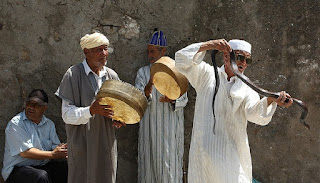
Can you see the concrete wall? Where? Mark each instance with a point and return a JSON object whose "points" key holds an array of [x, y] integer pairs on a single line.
{"points": [[39, 40]]}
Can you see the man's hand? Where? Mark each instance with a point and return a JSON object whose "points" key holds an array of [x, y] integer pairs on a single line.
{"points": [[165, 99], [220, 44], [61, 151], [118, 124], [148, 88], [281, 100], [104, 110]]}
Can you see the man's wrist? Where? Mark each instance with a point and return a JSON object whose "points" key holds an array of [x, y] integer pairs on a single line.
{"points": [[52, 154], [87, 112]]}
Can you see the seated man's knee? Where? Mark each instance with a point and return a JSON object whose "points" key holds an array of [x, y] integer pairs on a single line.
{"points": [[43, 177]]}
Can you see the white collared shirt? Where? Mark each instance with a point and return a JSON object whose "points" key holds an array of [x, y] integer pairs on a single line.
{"points": [[80, 115]]}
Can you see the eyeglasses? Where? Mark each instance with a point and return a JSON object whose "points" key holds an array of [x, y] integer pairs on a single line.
{"points": [[241, 58]]}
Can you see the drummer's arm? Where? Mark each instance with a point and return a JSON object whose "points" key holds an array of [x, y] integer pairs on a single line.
{"points": [[148, 88], [142, 85], [75, 115]]}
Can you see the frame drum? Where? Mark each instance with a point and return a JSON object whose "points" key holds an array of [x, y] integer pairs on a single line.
{"points": [[127, 102], [167, 79]]}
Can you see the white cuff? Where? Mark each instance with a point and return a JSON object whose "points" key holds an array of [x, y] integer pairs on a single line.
{"points": [[86, 112]]}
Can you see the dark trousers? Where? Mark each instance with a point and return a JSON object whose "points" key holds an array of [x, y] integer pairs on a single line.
{"points": [[52, 172]]}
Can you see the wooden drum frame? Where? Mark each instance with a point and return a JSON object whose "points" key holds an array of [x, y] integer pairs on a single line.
{"points": [[127, 102], [167, 79]]}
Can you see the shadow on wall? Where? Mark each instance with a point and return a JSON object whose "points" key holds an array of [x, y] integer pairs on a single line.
{"points": [[1, 180]]}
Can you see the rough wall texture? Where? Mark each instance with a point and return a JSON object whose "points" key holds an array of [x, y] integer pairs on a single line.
{"points": [[39, 40]]}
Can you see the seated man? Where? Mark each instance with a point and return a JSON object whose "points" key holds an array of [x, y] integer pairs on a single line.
{"points": [[31, 142]]}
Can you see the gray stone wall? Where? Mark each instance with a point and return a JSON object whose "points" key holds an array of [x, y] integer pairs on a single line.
{"points": [[39, 40]]}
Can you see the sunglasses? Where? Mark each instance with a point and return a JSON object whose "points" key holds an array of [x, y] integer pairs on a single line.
{"points": [[241, 58]]}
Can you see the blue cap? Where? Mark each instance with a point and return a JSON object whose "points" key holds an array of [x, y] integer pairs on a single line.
{"points": [[158, 39]]}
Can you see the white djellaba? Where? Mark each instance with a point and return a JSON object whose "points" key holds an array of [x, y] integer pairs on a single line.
{"points": [[223, 156], [161, 136]]}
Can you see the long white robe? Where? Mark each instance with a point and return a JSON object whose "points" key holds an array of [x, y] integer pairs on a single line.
{"points": [[223, 157], [160, 150]]}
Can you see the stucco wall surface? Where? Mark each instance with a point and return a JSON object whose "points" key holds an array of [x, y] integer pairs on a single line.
{"points": [[39, 41]]}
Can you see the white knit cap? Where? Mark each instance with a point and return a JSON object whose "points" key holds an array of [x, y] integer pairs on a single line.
{"points": [[237, 44], [93, 40]]}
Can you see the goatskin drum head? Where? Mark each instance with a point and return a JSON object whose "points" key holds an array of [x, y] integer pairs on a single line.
{"points": [[127, 102], [167, 79]]}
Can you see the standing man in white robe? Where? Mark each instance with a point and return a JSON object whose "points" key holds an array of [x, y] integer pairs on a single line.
{"points": [[160, 151], [220, 153]]}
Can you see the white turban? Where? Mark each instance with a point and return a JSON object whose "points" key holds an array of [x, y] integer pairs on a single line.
{"points": [[93, 40], [237, 44]]}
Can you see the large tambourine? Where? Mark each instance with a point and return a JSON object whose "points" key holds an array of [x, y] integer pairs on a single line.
{"points": [[167, 79], [127, 102]]}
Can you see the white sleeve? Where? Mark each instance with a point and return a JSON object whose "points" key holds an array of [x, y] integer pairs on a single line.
{"points": [[257, 110], [188, 61], [141, 82], [75, 115]]}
